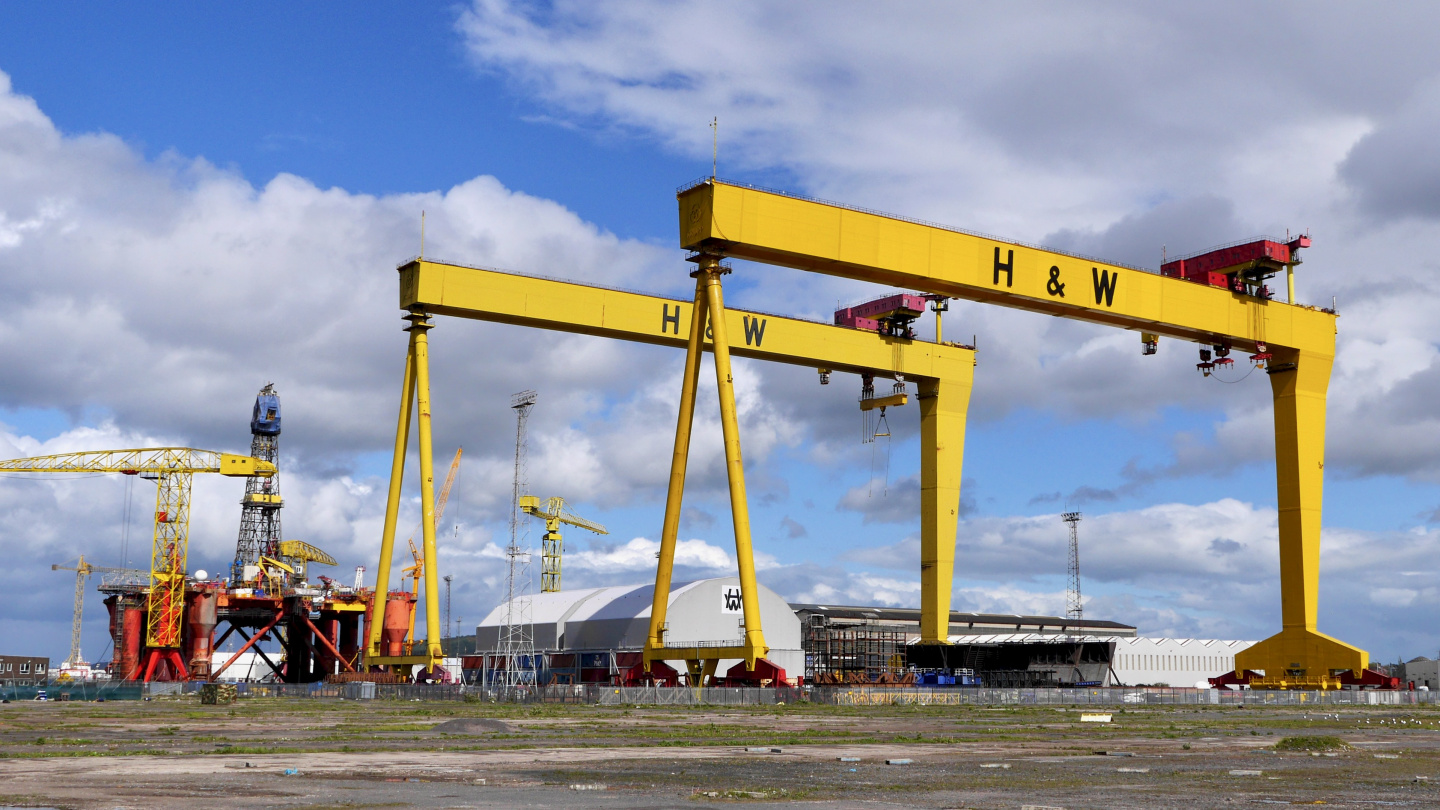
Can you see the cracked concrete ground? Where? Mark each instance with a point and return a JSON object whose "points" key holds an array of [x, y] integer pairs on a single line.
{"points": [[178, 754]]}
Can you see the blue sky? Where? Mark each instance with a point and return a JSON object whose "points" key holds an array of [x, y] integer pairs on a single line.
{"points": [[291, 150]]}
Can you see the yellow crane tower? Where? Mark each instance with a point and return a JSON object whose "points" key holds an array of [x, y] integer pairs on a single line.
{"points": [[554, 513], [169, 550], [82, 570]]}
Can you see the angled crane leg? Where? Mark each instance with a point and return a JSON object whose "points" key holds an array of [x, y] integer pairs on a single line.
{"points": [[675, 494], [1300, 653], [434, 631], [734, 465], [943, 406], [392, 504]]}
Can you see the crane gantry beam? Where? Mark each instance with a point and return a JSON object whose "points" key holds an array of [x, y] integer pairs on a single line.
{"points": [[169, 550], [721, 219], [941, 371]]}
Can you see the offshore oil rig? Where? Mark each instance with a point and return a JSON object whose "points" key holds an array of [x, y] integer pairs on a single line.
{"points": [[163, 626]]}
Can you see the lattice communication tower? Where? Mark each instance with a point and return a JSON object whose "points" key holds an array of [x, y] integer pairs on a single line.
{"points": [[1073, 607], [517, 639]]}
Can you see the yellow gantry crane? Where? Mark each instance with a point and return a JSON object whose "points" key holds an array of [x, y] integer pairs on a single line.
{"points": [[172, 468], [83, 570], [725, 220], [941, 372], [554, 513]]}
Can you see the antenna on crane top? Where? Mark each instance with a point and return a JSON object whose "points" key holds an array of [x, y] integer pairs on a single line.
{"points": [[422, 234], [715, 147]]}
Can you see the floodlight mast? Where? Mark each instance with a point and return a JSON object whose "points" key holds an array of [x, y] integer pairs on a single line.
{"points": [[1074, 607]]}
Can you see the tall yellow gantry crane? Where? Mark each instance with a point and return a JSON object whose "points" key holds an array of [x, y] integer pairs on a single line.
{"points": [[173, 468], [82, 570], [554, 513], [718, 220], [942, 373]]}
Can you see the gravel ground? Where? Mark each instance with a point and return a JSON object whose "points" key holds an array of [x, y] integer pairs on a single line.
{"points": [[177, 754]]}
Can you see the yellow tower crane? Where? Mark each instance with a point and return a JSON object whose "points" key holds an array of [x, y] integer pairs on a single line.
{"points": [[172, 468], [82, 570], [554, 513]]}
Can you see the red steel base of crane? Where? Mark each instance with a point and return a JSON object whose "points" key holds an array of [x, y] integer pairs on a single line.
{"points": [[152, 663], [766, 673], [660, 674], [1369, 679]]}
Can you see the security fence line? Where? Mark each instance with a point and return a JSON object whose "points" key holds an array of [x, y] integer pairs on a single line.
{"points": [[601, 695]]}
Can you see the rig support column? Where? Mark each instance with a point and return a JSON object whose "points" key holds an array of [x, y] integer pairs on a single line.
{"points": [[943, 407], [678, 463], [392, 503], [1300, 654]]}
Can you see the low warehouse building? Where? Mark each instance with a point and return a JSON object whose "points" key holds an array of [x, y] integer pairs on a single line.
{"points": [[856, 645], [594, 635], [1174, 661]]}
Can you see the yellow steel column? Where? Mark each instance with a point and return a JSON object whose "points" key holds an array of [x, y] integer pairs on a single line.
{"points": [[734, 466], [433, 630], [1298, 382], [943, 406], [392, 503], [1290, 283], [673, 497]]}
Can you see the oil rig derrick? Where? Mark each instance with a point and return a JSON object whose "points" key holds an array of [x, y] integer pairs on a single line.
{"points": [[260, 508]]}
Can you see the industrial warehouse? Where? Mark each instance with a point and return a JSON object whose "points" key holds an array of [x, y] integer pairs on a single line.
{"points": [[304, 626]]}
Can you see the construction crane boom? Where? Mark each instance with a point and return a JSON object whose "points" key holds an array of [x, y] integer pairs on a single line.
{"points": [[160, 460], [172, 468], [554, 513]]}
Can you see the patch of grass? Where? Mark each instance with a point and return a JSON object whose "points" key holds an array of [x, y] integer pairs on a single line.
{"points": [[1323, 743]]}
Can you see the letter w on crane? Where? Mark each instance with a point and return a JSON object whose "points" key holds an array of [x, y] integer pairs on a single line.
{"points": [[1105, 285], [754, 331]]}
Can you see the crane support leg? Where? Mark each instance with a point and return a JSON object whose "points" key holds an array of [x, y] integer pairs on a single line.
{"points": [[434, 631], [675, 494], [1300, 655], [734, 465], [392, 503], [943, 406]]}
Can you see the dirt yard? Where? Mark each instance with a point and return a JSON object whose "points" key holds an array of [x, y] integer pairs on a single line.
{"points": [[315, 754]]}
